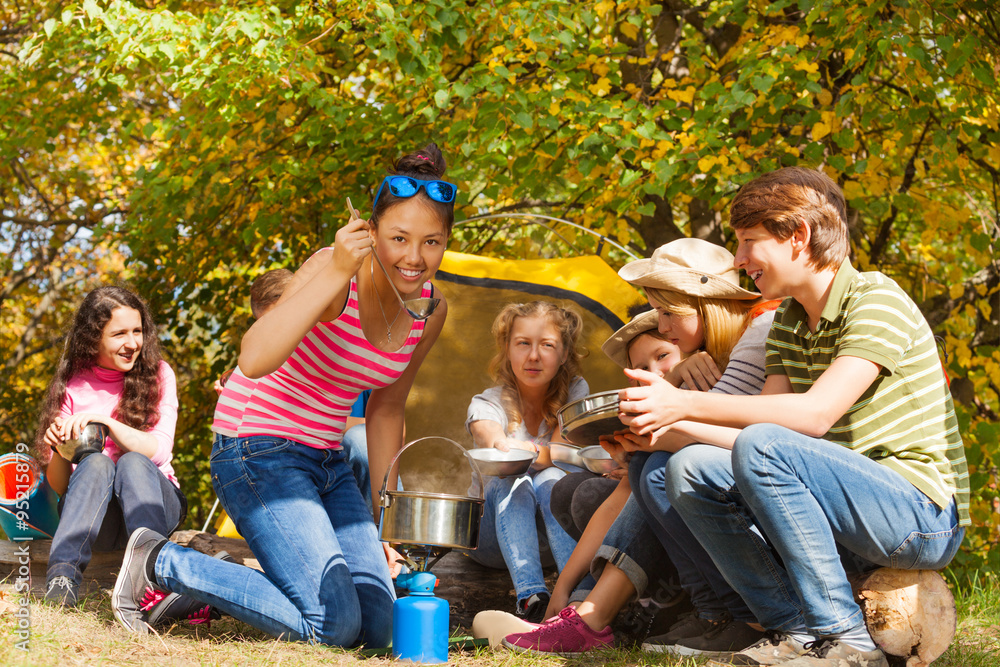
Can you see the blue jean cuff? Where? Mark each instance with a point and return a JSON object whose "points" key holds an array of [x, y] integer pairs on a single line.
{"points": [[636, 575], [853, 621], [531, 591]]}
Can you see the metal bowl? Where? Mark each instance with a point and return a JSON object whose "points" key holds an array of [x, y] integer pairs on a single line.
{"points": [[585, 420], [91, 441], [598, 461], [494, 463], [566, 457]]}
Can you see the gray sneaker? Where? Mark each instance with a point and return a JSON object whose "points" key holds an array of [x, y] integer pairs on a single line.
{"points": [[774, 649], [164, 608], [689, 626], [62, 591], [130, 587], [832, 653]]}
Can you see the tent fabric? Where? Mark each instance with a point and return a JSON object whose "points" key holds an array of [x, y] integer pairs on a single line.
{"points": [[477, 288]]}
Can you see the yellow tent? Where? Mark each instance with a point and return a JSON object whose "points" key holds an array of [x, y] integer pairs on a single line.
{"points": [[455, 370]]}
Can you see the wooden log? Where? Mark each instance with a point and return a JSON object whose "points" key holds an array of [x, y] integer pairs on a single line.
{"points": [[211, 544], [910, 614], [468, 586], [39, 550]]}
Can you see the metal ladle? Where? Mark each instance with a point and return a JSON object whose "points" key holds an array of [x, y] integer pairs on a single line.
{"points": [[419, 308]]}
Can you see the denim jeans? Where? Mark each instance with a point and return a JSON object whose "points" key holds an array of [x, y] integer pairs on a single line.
{"points": [[576, 497], [325, 576], [355, 444], [508, 536], [814, 500], [711, 596], [104, 502]]}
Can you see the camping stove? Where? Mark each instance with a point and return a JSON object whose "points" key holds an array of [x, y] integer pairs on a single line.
{"points": [[420, 557]]}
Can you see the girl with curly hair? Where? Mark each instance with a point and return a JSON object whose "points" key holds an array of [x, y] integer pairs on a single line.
{"points": [[537, 370], [110, 373]]}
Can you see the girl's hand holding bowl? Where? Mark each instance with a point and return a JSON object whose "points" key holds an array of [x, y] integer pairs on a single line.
{"points": [[506, 444]]}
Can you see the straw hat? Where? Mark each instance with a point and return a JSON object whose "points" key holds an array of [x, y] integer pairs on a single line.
{"points": [[616, 347], [689, 266]]}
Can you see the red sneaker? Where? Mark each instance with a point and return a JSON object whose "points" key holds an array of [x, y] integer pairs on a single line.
{"points": [[564, 635]]}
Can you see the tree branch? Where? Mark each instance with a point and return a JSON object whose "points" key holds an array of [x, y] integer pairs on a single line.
{"points": [[882, 238], [939, 308]]}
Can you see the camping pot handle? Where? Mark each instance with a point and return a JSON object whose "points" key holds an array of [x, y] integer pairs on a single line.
{"points": [[385, 500]]}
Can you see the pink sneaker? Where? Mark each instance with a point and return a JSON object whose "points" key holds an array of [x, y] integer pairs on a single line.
{"points": [[564, 635]]}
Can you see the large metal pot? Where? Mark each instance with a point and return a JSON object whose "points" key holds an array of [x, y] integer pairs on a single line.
{"points": [[433, 519]]}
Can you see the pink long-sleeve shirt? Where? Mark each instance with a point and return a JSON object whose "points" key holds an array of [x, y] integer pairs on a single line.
{"points": [[98, 390]]}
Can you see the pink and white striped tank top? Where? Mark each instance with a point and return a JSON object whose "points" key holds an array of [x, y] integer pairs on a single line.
{"points": [[309, 397]]}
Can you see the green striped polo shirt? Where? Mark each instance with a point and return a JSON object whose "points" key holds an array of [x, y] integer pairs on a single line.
{"points": [[905, 419]]}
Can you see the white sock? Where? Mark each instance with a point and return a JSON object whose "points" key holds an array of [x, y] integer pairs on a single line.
{"points": [[856, 638], [801, 634]]}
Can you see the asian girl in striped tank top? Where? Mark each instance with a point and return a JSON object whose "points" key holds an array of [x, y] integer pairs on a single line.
{"points": [[277, 463]]}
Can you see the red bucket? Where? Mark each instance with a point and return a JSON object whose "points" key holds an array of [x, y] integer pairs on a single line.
{"points": [[29, 508]]}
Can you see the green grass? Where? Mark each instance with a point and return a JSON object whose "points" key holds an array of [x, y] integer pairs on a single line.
{"points": [[89, 635]]}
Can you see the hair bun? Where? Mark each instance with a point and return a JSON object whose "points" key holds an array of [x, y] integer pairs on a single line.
{"points": [[427, 161]]}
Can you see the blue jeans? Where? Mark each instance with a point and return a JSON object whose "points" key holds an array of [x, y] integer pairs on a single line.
{"points": [[104, 502], [325, 576], [355, 444], [632, 547], [816, 502], [711, 596], [508, 536]]}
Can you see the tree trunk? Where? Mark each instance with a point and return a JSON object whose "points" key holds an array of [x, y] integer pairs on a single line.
{"points": [[909, 613]]}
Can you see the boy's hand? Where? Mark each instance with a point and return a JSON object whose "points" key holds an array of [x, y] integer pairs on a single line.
{"points": [[653, 404]]}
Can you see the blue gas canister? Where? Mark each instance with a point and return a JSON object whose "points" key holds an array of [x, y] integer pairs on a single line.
{"points": [[420, 621]]}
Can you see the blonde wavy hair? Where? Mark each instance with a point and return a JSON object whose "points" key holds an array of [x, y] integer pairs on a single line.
{"points": [[569, 324], [723, 320]]}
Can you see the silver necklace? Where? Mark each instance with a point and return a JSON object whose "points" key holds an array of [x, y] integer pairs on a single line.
{"points": [[378, 299]]}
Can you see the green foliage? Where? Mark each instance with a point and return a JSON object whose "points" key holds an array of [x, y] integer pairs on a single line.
{"points": [[229, 134]]}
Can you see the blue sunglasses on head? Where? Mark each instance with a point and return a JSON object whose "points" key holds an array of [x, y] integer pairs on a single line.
{"points": [[405, 187]]}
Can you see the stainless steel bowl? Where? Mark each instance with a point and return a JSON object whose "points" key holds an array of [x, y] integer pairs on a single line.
{"points": [[91, 441], [585, 420], [566, 457], [494, 463], [598, 461]]}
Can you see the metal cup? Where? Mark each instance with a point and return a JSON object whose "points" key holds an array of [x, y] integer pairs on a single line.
{"points": [[91, 441]]}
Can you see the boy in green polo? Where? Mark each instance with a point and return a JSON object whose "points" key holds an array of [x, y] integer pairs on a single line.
{"points": [[850, 458]]}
